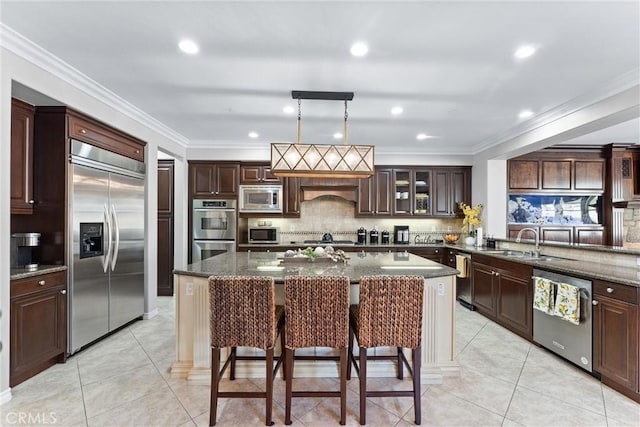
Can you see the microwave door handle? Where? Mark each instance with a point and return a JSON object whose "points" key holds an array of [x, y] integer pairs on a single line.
{"points": [[116, 245], [107, 223]]}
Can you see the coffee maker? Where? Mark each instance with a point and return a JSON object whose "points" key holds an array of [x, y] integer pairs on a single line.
{"points": [[401, 234], [23, 246]]}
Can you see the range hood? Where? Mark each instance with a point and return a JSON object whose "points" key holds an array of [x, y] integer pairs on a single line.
{"points": [[312, 188]]}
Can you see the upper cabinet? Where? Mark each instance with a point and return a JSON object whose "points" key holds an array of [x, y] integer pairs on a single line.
{"points": [[214, 179], [374, 195], [451, 187], [22, 115], [257, 173], [557, 175]]}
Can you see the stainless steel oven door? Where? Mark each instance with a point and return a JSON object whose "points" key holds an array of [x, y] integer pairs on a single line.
{"points": [[214, 224], [203, 249]]}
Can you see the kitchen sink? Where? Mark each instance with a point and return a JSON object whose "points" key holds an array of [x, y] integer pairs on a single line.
{"points": [[526, 255]]}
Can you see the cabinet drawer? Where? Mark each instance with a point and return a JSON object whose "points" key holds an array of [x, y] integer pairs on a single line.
{"points": [[37, 283], [616, 291], [103, 137]]}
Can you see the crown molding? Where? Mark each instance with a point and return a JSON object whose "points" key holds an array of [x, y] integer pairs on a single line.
{"points": [[28, 50], [613, 87]]}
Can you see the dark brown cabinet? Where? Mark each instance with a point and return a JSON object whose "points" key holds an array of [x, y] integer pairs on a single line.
{"points": [[434, 254], [165, 226], [502, 291], [557, 172], [22, 115], [38, 325], [616, 319], [523, 175], [252, 174], [451, 186], [214, 180], [586, 234], [291, 199], [374, 194]]}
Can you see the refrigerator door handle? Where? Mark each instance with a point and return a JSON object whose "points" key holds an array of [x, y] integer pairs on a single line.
{"points": [[116, 246], [107, 222]]}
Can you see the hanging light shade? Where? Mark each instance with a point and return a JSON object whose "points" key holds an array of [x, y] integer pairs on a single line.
{"points": [[322, 160]]}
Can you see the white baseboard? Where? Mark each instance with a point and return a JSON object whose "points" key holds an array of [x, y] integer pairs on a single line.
{"points": [[150, 315], [5, 396]]}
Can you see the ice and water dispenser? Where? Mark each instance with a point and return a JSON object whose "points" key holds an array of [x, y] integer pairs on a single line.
{"points": [[91, 239]]}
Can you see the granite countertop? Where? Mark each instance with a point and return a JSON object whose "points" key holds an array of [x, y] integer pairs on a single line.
{"points": [[359, 264], [21, 273]]}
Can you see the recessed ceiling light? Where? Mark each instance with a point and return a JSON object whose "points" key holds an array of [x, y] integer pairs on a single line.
{"points": [[288, 109], [189, 46], [337, 135], [525, 51], [359, 49], [525, 114], [253, 134], [396, 110], [422, 136]]}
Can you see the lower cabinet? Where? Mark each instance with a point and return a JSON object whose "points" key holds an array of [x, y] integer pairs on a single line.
{"points": [[616, 318], [434, 254], [38, 325], [502, 291]]}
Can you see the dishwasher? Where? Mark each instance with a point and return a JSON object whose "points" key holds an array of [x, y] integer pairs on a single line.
{"points": [[570, 341]]}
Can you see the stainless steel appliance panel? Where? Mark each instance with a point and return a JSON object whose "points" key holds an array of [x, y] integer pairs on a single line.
{"points": [[573, 342], [127, 259], [214, 222], [203, 249], [88, 277]]}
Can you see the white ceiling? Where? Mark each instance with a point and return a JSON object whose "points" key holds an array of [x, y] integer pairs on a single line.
{"points": [[450, 64]]}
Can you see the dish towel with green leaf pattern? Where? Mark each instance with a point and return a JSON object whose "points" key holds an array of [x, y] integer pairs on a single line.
{"points": [[543, 295], [568, 303]]}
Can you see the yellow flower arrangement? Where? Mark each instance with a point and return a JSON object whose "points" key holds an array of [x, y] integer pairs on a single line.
{"points": [[471, 217]]}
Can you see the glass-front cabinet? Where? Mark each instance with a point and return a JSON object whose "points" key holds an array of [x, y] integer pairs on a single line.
{"points": [[412, 192]]}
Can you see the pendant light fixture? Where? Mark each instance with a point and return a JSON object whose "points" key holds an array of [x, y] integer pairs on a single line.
{"points": [[322, 160]]}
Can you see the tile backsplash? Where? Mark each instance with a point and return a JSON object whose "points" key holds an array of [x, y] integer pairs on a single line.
{"points": [[337, 216]]}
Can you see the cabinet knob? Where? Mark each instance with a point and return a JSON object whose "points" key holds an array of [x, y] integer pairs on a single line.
{"points": [[610, 290], [83, 131], [497, 274], [437, 251], [594, 302], [63, 292], [137, 151], [31, 202], [41, 282]]}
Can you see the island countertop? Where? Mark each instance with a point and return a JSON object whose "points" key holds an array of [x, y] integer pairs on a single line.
{"points": [[359, 264]]}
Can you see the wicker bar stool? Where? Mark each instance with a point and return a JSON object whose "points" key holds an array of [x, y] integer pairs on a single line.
{"points": [[243, 314], [317, 312], [389, 314]]}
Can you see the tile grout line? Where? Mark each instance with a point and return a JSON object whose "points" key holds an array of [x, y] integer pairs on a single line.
{"points": [[84, 405]]}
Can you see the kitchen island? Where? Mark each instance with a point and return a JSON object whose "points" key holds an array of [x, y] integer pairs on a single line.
{"points": [[192, 310]]}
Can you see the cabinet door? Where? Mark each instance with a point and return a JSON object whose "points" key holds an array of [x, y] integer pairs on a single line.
{"points": [[434, 254], [515, 302], [422, 192], [250, 174], [291, 189], [589, 235], [523, 175], [616, 341], [442, 203], [38, 332], [403, 189], [556, 234], [556, 175], [589, 175], [268, 176], [365, 205], [226, 178], [484, 289], [21, 157], [460, 189], [383, 192], [202, 179]]}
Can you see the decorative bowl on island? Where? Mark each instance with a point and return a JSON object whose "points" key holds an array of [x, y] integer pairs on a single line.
{"points": [[451, 238]]}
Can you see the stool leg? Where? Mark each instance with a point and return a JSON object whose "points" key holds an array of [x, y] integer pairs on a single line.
{"points": [[350, 353], [269, 385], [363, 385], [215, 372], [282, 352], [232, 368], [416, 384], [400, 363], [288, 361], [344, 363]]}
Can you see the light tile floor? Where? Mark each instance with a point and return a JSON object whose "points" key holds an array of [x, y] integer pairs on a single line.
{"points": [[506, 381]]}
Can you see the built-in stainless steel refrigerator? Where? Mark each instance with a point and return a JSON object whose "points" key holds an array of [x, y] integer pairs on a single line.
{"points": [[106, 271]]}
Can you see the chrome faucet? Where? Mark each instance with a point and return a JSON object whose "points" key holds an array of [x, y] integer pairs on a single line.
{"points": [[536, 251]]}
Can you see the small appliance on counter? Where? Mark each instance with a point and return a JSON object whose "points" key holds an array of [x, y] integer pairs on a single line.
{"points": [[373, 236], [362, 236], [384, 237], [401, 234], [22, 250], [264, 235]]}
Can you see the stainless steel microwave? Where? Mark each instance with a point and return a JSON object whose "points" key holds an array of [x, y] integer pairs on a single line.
{"points": [[261, 198], [264, 235]]}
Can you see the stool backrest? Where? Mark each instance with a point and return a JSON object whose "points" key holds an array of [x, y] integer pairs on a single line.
{"points": [[390, 311], [316, 311], [242, 311]]}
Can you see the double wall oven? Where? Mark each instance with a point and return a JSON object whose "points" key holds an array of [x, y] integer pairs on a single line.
{"points": [[214, 228]]}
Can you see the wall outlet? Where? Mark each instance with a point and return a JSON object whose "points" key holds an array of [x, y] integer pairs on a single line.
{"points": [[189, 288], [441, 289]]}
